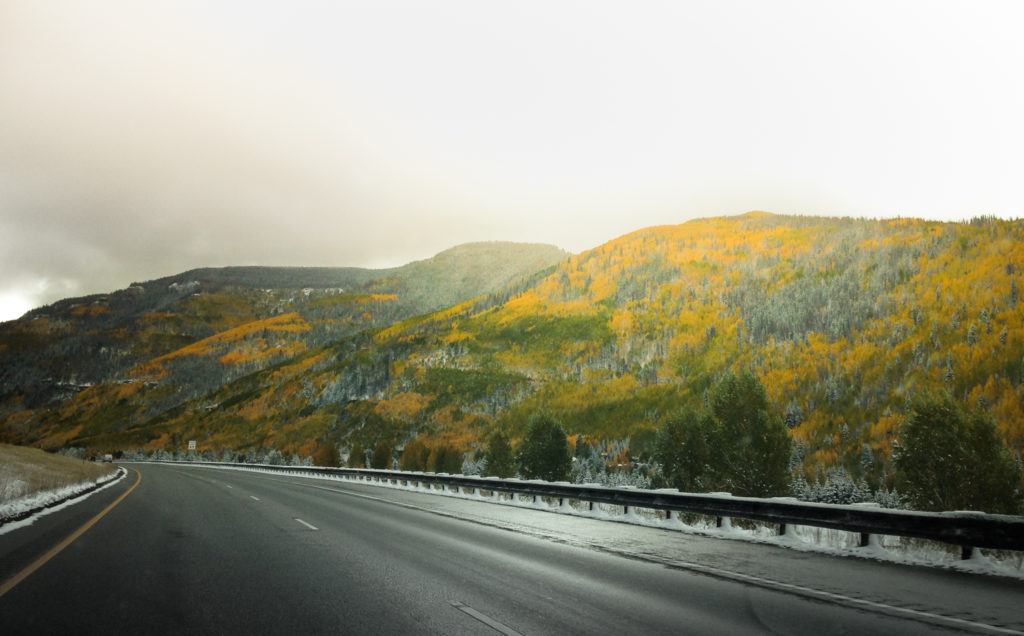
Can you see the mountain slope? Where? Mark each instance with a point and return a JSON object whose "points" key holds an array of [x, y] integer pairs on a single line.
{"points": [[843, 320], [187, 334]]}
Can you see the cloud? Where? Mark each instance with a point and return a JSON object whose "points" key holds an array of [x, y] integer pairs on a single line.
{"points": [[142, 139]]}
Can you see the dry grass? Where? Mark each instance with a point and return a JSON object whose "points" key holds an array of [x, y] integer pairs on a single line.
{"points": [[24, 471]]}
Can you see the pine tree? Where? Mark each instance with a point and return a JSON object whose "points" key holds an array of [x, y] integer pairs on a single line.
{"points": [[684, 447], [867, 463], [581, 448], [445, 459], [794, 415], [950, 458], [752, 441], [544, 452], [972, 335], [499, 459]]}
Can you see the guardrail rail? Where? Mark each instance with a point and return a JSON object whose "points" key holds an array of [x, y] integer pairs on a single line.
{"points": [[967, 529]]}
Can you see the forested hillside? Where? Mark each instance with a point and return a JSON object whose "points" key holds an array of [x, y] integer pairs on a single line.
{"points": [[135, 352], [843, 322]]}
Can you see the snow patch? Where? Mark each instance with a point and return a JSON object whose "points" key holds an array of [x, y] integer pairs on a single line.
{"points": [[51, 501]]}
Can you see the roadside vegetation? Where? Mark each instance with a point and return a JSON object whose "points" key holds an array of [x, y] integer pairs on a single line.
{"points": [[27, 471], [947, 457]]}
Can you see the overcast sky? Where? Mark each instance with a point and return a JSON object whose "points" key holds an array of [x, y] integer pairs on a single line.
{"points": [[140, 139]]}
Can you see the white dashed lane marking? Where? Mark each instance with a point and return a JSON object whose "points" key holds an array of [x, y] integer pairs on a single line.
{"points": [[486, 620]]}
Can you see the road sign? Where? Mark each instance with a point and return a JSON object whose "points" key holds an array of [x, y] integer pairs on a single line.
{"points": [[191, 444]]}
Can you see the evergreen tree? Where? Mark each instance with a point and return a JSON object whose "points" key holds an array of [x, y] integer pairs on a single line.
{"points": [[499, 459], [951, 458], [357, 456], [581, 449], [867, 463], [753, 443], [544, 452], [794, 414], [683, 447], [444, 459]]}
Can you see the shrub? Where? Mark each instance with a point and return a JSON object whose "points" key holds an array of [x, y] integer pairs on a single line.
{"points": [[357, 456], [415, 455], [381, 456], [326, 454]]}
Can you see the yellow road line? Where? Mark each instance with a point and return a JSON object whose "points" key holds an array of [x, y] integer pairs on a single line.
{"points": [[9, 584]]}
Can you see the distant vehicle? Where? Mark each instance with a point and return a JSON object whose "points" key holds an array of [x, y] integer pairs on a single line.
{"points": [[107, 458]]}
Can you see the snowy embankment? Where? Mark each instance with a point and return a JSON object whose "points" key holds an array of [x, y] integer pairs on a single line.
{"points": [[32, 481], [886, 548], [23, 507]]}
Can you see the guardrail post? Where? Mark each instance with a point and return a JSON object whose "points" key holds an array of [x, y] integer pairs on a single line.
{"points": [[725, 523], [782, 529], [966, 552], [590, 506], [865, 539]]}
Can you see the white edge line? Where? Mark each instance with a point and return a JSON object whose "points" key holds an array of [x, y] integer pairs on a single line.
{"points": [[485, 619], [308, 525], [254, 498]]}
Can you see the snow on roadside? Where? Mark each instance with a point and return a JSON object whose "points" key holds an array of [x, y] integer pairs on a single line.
{"points": [[47, 501]]}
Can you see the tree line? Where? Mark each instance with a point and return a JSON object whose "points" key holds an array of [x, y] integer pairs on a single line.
{"points": [[948, 456]]}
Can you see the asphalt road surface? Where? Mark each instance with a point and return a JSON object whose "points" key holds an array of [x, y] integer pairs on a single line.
{"points": [[193, 550]]}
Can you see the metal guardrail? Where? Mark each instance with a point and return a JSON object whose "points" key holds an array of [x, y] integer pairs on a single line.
{"points": [[966, 529]]}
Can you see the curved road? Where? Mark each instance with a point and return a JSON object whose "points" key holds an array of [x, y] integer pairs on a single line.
{"points": [[212, 551]]}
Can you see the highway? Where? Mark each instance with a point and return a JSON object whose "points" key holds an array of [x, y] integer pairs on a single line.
{"points": [[193, 550]]}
